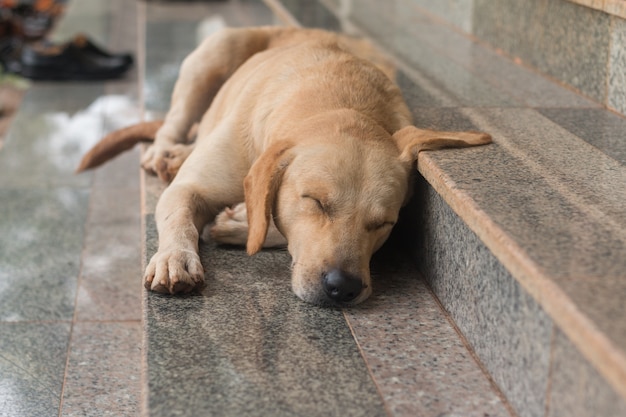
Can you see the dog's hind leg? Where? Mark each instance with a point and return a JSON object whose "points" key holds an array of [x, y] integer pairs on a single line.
{"points": [[231, 228], [201, 76]]}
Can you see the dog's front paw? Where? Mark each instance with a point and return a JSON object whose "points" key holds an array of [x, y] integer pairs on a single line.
{"points": [[165, 161], [231, 226], [175, 272]]}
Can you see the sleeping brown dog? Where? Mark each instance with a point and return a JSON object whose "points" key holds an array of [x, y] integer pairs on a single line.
{"points": [[314, 139]]}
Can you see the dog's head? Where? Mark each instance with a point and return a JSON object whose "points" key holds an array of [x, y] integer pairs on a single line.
{"points": [[335, 196]]}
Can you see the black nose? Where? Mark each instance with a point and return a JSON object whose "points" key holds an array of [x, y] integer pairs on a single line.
{"points": [[341, 286]]}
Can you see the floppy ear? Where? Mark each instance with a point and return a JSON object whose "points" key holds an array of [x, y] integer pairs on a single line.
{"points": [[411, 141], [261, 188]]}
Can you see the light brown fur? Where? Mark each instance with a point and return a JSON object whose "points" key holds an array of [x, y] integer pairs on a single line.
{"points": [[307, 134]]}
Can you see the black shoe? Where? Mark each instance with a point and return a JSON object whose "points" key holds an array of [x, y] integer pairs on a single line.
{"points": [[72, 61], [10, 52], [87, 46]]}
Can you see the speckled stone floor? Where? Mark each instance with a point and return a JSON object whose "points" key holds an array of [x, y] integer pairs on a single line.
{"points": [[80, 337]]}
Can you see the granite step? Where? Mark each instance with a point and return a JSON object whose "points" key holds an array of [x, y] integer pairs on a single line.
{"points": [[523, 241], [247, 346]]}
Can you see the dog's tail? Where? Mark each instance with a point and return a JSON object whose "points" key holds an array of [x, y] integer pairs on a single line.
{"points": [[117, 142]]}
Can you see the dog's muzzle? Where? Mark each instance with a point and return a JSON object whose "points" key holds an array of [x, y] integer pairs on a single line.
{"points": [[341, 287]]}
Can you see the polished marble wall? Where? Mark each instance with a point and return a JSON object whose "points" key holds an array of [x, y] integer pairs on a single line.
{"points": [[579, 46]]}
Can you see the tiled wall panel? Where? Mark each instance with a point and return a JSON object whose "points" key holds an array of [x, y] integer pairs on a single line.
{"points": [[579, 46], [563, 40]]}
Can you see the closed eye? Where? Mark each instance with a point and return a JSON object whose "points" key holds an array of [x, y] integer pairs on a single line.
{"points": [[371, 227], [319, 204]]}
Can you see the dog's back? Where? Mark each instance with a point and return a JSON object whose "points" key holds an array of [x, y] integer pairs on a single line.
{"points": [[304, 73], [338, 72]]}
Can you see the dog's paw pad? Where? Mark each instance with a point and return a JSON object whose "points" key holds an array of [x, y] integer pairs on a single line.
{"points": [[166, 161], [231, 226]]}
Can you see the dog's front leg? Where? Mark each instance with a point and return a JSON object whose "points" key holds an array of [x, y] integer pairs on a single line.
{"points": [[176, 268], [210, 179]]}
